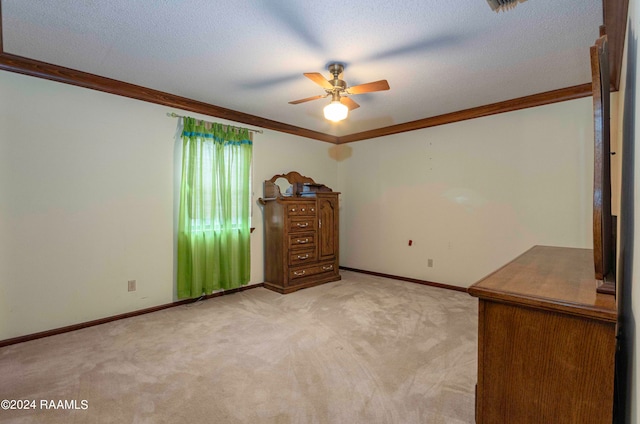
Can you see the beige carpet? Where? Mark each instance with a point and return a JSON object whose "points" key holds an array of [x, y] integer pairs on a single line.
{"points": [[361, 350]]}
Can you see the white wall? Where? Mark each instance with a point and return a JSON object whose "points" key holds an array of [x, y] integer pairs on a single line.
{"points": [[88, 189], [470, 195]]}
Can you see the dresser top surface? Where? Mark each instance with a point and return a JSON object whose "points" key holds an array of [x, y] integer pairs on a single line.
{"points": [[554, 278]]}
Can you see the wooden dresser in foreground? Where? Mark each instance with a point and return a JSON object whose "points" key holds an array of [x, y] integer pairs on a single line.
{"points": [[546, 341], [301, 234]]}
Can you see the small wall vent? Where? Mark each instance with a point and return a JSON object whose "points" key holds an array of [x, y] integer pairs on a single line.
{"points": [[503, 5]]}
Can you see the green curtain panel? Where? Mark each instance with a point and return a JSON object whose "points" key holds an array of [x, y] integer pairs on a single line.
{"points": [[214, 223]]}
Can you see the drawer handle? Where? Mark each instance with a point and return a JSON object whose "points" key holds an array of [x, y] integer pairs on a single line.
{"points": [[305, 225], [327, 268], [299, 273], [300, 241], [303, 209], [292, 209], [303, 257], [313, 209]]}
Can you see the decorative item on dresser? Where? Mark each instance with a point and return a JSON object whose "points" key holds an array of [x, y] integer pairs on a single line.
{"points": [[301, 233]]}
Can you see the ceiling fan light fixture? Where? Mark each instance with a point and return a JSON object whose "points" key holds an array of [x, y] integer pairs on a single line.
{"points": [[341, 102], [335, 111]]}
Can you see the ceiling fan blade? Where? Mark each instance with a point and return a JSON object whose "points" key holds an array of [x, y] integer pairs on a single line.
{"points": [[293, 17], [369, 87], [308, 99], [429, 44], [319, 79], [349, 103]]}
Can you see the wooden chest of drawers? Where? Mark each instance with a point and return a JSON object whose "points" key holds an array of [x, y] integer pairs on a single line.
{"points": [[301, 241]]}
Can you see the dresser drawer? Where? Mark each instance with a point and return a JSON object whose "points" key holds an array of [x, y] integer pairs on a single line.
{"points": [[302, 224], [315, 269], [300, 257], [302, 241], [301, 209]]}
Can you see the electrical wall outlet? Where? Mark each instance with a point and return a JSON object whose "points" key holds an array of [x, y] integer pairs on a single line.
{"points": [[131, 285], [430, 263]]}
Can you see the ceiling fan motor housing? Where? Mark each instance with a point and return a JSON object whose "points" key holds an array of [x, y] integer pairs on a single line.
{"points": [[338, 84]]}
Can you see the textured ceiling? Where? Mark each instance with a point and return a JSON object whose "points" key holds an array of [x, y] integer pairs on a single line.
{"points": [[249, 56]]}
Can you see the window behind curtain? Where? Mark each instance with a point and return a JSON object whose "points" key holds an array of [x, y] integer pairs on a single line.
{"points": [[214, 221], [209, 220]]}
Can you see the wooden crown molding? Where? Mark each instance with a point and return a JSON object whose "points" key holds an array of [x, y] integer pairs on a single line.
{"points": [[35, 68], [540, 99], [614, 15]]}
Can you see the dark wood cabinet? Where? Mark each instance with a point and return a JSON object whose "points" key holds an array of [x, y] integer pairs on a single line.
{"points": [[546, 341], [327, 226], [301, 234]]}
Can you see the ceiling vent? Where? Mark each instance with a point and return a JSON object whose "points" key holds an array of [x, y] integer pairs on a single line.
{"points": [[503, 5]]}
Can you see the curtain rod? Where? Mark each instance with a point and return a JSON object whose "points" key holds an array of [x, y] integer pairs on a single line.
{"points": [[175, 115]]}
